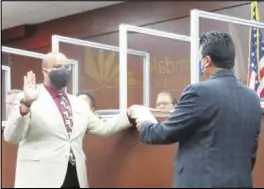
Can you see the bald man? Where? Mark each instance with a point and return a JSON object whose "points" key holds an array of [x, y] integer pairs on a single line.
{"points": [[49, 125]]}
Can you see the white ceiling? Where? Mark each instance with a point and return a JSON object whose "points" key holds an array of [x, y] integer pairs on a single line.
{"points": [[15, 13]]}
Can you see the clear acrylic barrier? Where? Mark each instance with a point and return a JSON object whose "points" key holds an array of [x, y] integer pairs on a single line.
{"points": [[6, 86], [75, 69], [194, 30], [56, 40], [37, 56], [123, 45]]}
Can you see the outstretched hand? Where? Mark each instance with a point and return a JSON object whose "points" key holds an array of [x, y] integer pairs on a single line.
{"points": [[138, 114]]}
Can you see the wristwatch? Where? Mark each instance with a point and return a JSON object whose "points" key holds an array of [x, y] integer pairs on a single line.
{"points": [[27, 104]]}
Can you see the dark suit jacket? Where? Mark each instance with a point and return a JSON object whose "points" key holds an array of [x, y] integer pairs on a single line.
{"points": [[217, 124]]}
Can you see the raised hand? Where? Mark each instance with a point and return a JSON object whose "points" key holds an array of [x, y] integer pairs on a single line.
{"points": [[30, 89]]}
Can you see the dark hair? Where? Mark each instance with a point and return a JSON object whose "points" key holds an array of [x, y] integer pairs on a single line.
{"points": [[89, 95], [219, 46], [173, 98]]}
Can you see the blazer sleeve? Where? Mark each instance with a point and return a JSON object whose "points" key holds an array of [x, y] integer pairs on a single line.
{"points": [[255, 147], [98, 127], [17, 126], [182, 122], [254, 153]]}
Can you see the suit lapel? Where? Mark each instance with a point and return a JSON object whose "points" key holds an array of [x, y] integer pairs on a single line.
{"points": [[51, 110]]}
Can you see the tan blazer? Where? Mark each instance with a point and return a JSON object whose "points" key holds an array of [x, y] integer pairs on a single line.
{"points": [[44, 145]]}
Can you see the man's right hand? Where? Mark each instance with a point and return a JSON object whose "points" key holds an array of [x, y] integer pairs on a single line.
{"points": [[30, 89]]}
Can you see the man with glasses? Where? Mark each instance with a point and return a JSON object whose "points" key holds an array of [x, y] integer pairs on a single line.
{"points": [[166, 101], [49, 125], [11, 100]]}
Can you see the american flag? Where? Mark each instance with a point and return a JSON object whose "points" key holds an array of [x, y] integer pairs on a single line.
{"points": [[256, 56]]}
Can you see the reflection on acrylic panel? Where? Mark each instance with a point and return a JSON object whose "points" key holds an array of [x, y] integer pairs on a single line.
{"points": [[6, 86], [99, 73], [3, 97], [249, 46]]}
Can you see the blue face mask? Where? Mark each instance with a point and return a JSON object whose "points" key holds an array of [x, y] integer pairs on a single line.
{"points": [[200, 68]]}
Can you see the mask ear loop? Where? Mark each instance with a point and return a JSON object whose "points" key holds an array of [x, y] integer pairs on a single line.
{"points": [[200, 68]]}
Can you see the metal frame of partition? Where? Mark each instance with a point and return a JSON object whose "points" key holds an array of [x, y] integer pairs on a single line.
{"points": [[7, 75], [75, 71], [123, 45], [7, 71], [195, 16], [56, 39]]}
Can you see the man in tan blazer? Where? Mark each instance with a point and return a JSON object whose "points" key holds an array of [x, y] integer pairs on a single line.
{"points": [[49, 126]]}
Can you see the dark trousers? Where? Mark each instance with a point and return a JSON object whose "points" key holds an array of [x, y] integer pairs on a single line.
{"points": [[71, 179]]}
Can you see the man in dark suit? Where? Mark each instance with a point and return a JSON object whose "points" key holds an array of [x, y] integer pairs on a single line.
{"points": [[216, 122]]}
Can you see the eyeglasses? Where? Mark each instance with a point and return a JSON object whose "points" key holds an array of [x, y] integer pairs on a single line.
{"points": [[59, 66], [163, 103]]}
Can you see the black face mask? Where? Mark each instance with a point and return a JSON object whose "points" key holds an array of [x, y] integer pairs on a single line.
{"points": [[59, 78]]}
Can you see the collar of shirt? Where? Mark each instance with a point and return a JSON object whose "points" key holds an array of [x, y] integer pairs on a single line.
{"points": [[54, 92]]}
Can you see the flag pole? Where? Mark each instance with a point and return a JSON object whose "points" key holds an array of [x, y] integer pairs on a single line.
{"points": [[249, 41]]}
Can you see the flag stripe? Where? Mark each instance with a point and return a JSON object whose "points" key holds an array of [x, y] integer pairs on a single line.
{"points": [[256, 55]]}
